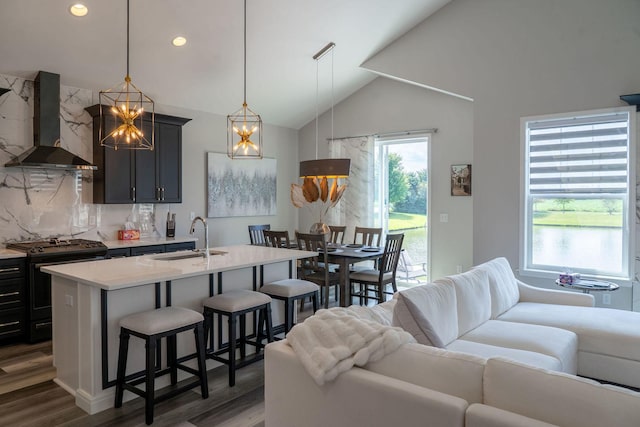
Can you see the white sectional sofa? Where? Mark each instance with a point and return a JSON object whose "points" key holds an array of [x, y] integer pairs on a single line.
{"points": [[490, 351]]}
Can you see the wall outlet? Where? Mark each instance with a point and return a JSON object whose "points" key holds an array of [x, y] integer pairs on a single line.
{"points": [[606, 299], [192, 215], [458, 269], [68, 300]]}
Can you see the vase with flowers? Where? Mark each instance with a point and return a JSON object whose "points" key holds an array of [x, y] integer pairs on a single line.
{"points": [[314, 193]]}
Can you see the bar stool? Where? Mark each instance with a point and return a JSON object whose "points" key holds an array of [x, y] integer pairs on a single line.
{"points": [[235, 305], [290, 290], [151, 326]]}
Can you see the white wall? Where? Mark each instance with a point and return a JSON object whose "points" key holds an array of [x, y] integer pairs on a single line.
{"points": [[208, 132], [519, 58], [387, 106]]}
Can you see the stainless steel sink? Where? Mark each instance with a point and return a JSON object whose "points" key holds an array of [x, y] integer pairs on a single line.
{"points": [[186, 255]]}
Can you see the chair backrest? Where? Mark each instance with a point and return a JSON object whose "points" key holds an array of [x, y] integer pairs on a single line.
{"points": [[277, 239], [336, 234], [391, 256], [317, 243], [256, 235], [368, 236]]}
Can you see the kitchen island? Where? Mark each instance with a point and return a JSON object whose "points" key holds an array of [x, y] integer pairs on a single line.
{"points": [[90, 298]]}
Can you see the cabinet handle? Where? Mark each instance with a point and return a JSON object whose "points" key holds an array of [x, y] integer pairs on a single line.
{"points": [[42, 325], [9, 294], [158, 193], [9, 270], [133, 193], [162, 193], [2, 325]]}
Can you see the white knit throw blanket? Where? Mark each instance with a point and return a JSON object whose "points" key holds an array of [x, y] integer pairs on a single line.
{"points": [[333, 340]]}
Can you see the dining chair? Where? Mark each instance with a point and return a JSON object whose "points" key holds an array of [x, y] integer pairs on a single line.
{"points": [[277, 239], [376, 280], [336, 234], [256, 234], [367, 236], [312, 269]]}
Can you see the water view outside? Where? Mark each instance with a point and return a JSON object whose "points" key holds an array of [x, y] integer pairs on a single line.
{"points": [[578, 234], [578, 248]]}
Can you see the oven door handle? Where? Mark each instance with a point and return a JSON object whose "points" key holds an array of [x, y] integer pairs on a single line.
{"points": [[39, 265]]}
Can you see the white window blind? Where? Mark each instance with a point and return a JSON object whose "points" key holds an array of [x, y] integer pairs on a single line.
{"points": [[579, 155]]}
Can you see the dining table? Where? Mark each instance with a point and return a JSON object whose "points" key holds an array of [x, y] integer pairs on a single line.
{"points": [[343, 255]]}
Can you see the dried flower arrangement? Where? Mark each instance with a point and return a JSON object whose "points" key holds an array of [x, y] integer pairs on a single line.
{"points": [[315, 190]]}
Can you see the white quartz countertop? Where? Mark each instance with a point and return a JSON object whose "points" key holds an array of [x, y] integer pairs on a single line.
{"points": [[148, 241], [10, 253], [119, 273]]}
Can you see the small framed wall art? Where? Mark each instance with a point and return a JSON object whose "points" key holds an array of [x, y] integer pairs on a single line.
{"points": [[460, 180]]}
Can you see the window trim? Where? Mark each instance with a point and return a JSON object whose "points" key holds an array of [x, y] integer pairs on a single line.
{"points": [[524, 215]]}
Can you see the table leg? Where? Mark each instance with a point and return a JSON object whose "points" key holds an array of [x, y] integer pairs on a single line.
{"points": [[344, 281]]}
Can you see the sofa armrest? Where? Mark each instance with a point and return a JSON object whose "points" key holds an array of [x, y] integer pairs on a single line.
{"points": [[530, 293], [356, 397]]}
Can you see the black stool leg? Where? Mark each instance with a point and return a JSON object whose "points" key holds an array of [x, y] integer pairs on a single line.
{"points": [[150, 380], [122, 366], [232, 350], [289, 306], [243, 336], [261, 328], [314, 300], [269, 323], [172, 355], [202, 364]]}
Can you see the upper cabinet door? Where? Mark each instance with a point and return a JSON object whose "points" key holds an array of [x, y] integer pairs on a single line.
{"points": [[169, 157], [147, 190]]}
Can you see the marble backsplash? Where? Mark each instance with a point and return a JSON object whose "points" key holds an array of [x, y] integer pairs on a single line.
{"points": [[40, 203]]}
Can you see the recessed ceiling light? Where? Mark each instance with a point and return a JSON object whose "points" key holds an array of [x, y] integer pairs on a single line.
{"points": [[78, 9], [179, 41]]}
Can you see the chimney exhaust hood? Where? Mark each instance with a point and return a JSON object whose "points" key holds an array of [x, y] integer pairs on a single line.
{"points": [[46, 152]]}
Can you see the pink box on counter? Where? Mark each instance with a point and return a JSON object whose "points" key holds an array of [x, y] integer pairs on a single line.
{"points": [[128, 234]]}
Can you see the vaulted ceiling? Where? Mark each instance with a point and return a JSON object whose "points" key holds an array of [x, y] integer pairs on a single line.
{"points": [[207, 73]]}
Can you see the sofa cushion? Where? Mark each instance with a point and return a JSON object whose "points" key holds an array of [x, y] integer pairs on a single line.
{"points": [[450, 372], [558, 398], [428, 313], [600, 330], [524, 356], [555, 342], [502, 284], [473, 298]]}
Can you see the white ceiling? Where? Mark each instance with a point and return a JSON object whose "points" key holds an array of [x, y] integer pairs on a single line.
{"points": [[206, 74]]}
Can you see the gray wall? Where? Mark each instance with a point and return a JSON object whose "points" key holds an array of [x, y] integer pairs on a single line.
{"points": [[208, 132], [387, 106], [519, 58]]}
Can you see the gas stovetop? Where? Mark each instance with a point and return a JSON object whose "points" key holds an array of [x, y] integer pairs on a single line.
{"points": [[58, 246]]}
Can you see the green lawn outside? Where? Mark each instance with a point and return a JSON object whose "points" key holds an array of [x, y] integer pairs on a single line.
{"points": [[404, 221]]}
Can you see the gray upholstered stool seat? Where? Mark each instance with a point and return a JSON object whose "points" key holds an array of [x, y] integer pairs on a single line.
{"points": [[161, 320], [233, 301], [152, 326], [235, 305], [289, 291]]}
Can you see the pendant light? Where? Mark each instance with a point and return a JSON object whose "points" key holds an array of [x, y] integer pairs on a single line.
{"points": [[329, 168], [244, 127], [121, 113]]}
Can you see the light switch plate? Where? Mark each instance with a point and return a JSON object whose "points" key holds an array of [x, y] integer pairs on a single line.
{"points": [[444, 217]]}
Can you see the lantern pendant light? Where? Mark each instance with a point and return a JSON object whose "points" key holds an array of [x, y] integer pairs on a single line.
{"points": [[122, 109], [329, 168], [244, 127]]}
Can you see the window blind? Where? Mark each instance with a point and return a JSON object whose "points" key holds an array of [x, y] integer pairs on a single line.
{"points": [[579, 155]]}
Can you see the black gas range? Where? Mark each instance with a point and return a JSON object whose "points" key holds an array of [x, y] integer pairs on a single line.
{"points": [[43, 253]]}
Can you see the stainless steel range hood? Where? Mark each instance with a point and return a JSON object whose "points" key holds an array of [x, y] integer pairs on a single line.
{"points": [[46, 153]]}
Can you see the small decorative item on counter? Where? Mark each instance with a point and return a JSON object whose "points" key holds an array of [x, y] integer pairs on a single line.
{"points": [[569, 278], [128, 234]]}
